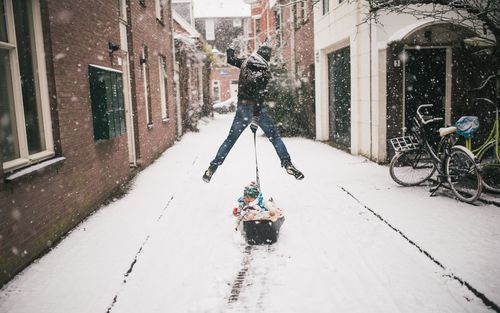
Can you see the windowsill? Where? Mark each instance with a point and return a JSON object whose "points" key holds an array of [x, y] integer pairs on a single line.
{"points": [[34, 169], [16, 164], [160, 22], [165, 120], [150, 126]]}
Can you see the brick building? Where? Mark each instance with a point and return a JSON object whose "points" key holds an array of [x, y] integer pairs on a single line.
{"points": [[220, 23], [84, 99], [192, 73], [224, 80]]}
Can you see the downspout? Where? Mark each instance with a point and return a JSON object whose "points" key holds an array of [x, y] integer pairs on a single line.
{"points": [[292, 44], [371, 89], [177, 99]]}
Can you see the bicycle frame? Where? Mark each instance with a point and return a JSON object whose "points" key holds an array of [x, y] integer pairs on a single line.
{"points": [[494, 136]]}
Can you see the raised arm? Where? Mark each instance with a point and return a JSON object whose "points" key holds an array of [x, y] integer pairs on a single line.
{"points": [[232, 59]]}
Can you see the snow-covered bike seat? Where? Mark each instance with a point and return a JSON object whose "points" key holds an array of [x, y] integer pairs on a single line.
{"points": [[444, 131]]}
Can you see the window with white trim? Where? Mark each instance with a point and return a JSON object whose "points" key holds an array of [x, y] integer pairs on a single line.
{"points": [[237, 22], [159, 10], [122, 10], [210, 29], [25, 123], [145, 80], [216, 90], [326, 6], [163, 86]]}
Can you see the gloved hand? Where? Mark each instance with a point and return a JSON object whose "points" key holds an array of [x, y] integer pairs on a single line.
{"points": [[254, 124], [235, 44]]}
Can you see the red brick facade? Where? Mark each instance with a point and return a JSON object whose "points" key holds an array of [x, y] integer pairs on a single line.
{"points": [[148, 31], [37, 209], [225, 75]]}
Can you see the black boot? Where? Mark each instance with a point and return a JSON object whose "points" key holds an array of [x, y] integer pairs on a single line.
{"points": [[292, 170], [209, 172]]}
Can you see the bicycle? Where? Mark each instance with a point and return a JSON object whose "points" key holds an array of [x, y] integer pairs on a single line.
{"points": [[488, 154], [417, 159]]}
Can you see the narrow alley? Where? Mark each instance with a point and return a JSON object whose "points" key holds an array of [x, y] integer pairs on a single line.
{"points": [[352, 241]]}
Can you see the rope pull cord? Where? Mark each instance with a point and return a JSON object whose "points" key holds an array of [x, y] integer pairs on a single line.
{"points": [[254, 125]]}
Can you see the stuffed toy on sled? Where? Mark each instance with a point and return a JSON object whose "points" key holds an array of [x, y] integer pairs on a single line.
{"points": [[258, 220]]}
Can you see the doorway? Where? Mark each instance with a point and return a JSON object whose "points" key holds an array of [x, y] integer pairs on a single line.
{"points": [[425, 82], [339, 97]]}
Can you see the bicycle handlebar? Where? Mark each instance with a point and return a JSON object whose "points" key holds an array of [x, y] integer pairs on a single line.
{"points": [[421, 117], [484, 83]]}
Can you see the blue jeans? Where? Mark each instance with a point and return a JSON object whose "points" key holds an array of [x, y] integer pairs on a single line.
{"points": [[242, 119]]}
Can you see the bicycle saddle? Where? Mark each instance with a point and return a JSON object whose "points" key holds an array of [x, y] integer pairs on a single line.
{"points": [[447, 131]]}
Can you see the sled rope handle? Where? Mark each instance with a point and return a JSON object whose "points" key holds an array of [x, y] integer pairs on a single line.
{"points": [[253, 127]]}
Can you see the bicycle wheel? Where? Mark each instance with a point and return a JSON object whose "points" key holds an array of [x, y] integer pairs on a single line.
{"points": [[463, 174], [411, 167], [490, 167]]}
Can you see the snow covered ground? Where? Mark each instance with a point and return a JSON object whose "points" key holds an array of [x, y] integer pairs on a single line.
{"points": [[353, 241]]}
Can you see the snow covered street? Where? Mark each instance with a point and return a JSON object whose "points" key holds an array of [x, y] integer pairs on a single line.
{"points": [[352, 241]]}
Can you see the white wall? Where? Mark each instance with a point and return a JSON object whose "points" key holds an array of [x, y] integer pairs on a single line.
{"points": [[343, 26]]}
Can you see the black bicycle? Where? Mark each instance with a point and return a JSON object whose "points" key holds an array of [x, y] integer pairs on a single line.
{"points": [[420, 155]]}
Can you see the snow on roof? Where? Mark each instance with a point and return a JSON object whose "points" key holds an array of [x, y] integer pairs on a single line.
{"points": [[221, 8], [184, 24]]}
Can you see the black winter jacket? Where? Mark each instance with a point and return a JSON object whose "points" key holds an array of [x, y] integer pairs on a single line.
{"points": [[254, 76]]}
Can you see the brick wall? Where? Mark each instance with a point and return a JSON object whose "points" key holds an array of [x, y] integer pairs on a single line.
{"points": [[225, 75], [37, 209], [148, 31]]}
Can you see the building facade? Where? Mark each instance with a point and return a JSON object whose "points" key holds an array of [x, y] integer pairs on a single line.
{"points": [[221, 23], [192, 72], [85, 100], [371, 78]]}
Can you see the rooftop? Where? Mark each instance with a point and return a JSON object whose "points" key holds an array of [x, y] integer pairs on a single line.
{"points": [[221, 8]]}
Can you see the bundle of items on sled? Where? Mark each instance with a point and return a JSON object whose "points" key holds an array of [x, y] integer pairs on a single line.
{"points": [[259, 220]]}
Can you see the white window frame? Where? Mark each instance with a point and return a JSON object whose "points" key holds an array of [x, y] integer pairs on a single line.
{"points": [[216, 83], [210, 29], [158, 10], [305, 11], [122, 10], [149, 122], [237, 22], [162, 66], [25, 159], [325, 6]]}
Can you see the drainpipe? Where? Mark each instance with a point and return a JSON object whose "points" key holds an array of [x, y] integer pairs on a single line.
{"points": [[177, 99], [371, 89], [292, 44]]}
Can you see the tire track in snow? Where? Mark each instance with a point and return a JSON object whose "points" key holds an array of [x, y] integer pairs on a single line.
{"points": [[134, 261], [253, 278], [240, 278], [132, 264], [489, 303]]}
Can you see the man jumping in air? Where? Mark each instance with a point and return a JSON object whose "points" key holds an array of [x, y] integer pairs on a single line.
{"points": [[254, 76]]}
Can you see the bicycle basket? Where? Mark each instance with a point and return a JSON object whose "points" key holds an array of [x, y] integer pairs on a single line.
{"points": [[405, 143]]}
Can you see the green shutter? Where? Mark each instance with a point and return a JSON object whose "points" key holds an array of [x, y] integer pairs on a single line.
{"points": [[106, 92], [97, 80]]}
